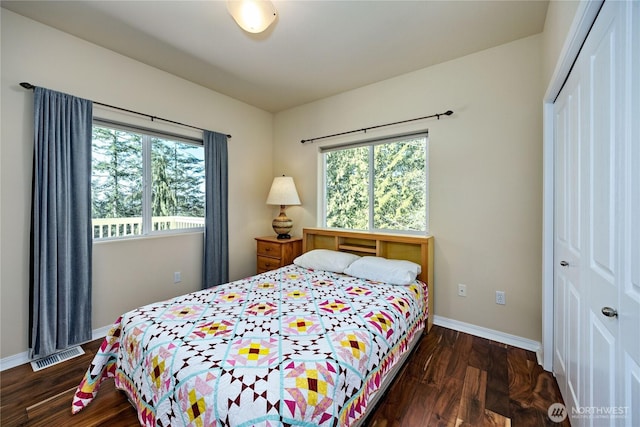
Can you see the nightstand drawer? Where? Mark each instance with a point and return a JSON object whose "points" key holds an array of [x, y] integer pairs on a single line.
{"points": [[269, 249], [274, 253], [266, 263]]}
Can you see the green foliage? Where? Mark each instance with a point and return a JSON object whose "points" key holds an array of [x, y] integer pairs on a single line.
{"points": [[346, 188], [177, 175], [116, 180], [178, 179], [399, 186]]}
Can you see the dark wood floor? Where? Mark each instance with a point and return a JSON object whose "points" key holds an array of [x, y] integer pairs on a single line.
{"points": [[451, 379], [456, 379]]}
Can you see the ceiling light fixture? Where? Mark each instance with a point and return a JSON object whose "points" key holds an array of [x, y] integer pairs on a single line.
{"points": [[253, 16]]}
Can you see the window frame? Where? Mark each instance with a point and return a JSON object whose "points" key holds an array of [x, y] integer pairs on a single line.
{"points": [[147, 134], [371, 143]]}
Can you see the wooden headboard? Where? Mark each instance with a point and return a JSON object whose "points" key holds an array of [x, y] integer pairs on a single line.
{"points": [[418, 249]]}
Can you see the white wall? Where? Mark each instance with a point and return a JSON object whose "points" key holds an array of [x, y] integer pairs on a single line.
{"points": [[126, 274], [485, 177]]}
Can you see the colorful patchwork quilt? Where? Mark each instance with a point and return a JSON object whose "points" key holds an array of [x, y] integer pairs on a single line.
{"points": [[289, 347]]}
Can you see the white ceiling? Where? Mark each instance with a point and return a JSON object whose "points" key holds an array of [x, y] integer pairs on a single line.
{"points": [[313, 50]]}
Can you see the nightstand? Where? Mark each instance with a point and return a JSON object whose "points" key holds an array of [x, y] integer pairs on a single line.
{"points": [[274, 253]]}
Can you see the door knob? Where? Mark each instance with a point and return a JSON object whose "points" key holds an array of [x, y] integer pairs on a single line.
{"points": [[609, 312], [564, 263]]}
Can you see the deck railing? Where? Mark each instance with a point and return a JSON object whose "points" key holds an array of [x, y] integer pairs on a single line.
{"points": [[121, 227]]}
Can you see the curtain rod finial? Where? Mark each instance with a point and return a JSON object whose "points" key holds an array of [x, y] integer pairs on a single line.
{"points": [[27, 85], [449, 112]]}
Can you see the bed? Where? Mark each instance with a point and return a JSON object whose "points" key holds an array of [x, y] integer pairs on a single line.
{"points": [[296, 346]]}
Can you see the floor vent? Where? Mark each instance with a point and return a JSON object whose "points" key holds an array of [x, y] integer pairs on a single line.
{"points": [[54, 359]]}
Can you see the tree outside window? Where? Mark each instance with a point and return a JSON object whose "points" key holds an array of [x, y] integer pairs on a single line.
{"points": [[379, 185]]}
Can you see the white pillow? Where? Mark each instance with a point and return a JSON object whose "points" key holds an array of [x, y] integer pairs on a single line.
{"points": [[393, 271], [325, 259]]}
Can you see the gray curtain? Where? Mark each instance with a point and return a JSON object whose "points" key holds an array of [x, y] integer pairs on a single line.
{"points": [[216, 231], [61, 240]]}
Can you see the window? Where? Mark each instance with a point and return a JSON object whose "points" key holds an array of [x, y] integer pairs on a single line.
{"points": [[144, 183], [377, 185]]}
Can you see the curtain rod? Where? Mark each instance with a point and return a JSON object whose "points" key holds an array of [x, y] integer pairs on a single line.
{"points": [[446, 113], [30, 86]]}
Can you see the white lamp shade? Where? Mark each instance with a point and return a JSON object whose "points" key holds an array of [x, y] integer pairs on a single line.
{"points": [[283, 192], [253, 16]]}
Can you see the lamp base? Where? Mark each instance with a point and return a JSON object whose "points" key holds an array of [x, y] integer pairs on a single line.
{"points": [[282, 224]]}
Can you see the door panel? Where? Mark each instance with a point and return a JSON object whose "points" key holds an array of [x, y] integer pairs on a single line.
{"points": [[560, 335], [629, 317], [602, 156], [568, 353], [574, 343], [632, 392], [601, 374]]}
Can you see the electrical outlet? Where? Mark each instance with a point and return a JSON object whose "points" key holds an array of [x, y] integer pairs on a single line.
{"points": [[501, 298], [177, 277], [462, 290]]}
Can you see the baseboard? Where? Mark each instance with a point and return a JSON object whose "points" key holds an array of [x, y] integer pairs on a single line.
{"points": [[490, 334], [100, 332], [23, 358], [15, 360]]}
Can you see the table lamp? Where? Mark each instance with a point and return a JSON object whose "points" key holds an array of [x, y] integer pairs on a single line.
{"points": [[283, 192]]}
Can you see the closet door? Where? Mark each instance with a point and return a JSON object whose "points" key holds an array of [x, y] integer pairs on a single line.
{"points": [[568, 355], [612, 380], [629, 305], [597, 225], [603, 66]]}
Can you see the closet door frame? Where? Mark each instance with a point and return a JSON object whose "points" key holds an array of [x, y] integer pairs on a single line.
{"points": [[585, 16]]}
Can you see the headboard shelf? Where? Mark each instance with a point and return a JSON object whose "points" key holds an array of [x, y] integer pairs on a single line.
{"points": [[418, 249], [358, 248]]}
